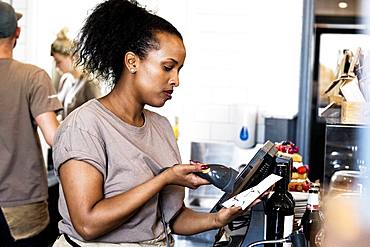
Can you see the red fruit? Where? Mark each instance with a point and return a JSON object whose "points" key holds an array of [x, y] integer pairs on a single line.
{"points": [[306, 186], [283, 149], [301, 170]]}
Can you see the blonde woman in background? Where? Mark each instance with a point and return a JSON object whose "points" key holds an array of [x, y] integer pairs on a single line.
{"points": [[75, 88]]}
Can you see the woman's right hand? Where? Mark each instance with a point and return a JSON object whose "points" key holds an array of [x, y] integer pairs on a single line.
{"points": [[183, 174]]}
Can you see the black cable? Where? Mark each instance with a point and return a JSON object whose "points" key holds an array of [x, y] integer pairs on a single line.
{"points": [[241, 221], [163, 221]]}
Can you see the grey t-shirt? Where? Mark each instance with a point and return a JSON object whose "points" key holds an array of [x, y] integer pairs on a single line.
{"points": [[126, 156], [25, 92]]}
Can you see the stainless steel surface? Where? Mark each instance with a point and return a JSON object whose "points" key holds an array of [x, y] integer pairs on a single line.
{"points": [[218, 153]]}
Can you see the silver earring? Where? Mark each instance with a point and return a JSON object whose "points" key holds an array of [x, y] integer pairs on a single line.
{"points": [[132, 70]]}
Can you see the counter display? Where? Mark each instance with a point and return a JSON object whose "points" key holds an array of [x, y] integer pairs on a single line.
{"points": [[343, 150]]}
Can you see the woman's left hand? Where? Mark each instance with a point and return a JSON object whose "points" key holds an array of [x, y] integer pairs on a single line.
{"points": [[226, 215]]}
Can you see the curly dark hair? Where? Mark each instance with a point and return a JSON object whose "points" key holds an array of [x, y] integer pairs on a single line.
{"points": [[114, 28]]}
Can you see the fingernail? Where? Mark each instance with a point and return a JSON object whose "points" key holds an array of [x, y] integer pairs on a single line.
{"points": [[203, 167]]}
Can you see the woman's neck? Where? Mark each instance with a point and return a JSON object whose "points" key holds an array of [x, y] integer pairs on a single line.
{"points": [[124, 107]]}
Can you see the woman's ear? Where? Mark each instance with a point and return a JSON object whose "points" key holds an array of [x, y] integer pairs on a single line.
{"points": [[131, 61]]}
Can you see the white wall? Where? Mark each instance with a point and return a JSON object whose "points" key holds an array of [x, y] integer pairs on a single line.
{"points": [[238, 52], [42, 20]]}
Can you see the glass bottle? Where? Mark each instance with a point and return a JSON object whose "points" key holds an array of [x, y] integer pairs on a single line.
{"points": [[176, 128], [312, 219], [282, 159], [279, 210]]}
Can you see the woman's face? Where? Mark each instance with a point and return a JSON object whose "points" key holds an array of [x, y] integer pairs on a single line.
{"points": [[158, 73], [63, 62]]}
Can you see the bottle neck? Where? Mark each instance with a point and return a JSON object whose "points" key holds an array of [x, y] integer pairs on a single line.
{"points": [[282, 185]]}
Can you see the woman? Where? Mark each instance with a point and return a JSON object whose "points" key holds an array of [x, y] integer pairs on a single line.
{"points": [[74, 87], [111, 153]]}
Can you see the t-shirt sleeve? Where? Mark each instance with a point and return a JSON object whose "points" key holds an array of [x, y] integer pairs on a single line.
{"points": [[72, 142], [42, 95]]}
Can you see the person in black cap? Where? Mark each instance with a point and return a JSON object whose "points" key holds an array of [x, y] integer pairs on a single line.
{"points": [[8, 20], [27, 101]]}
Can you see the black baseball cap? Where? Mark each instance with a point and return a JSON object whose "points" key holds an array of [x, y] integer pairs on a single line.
{"points": [[8, 19]]}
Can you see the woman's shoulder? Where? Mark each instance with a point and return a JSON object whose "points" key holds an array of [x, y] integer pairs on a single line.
{"points": [[81, 121]]}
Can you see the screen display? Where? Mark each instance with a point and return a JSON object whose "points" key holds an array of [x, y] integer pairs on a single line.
{"points": [[259, 167]]}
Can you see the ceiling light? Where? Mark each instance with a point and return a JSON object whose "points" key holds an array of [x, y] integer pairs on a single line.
{"points": [[342, 5]]}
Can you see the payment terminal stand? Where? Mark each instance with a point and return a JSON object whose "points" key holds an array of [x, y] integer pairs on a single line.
{"points": [[248, 227]]}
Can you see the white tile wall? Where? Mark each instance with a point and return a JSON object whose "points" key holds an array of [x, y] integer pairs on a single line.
{"points": [[212, 113], [238, 52], [222, 131]]}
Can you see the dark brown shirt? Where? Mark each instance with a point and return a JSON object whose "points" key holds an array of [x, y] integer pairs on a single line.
{"points": [[25, 92]]}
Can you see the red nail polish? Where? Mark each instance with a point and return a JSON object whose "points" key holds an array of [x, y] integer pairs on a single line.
{"points": [[203, 167]]}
